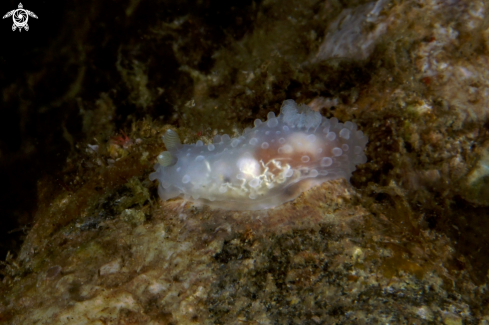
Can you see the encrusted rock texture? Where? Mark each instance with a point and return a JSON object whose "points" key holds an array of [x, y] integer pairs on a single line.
{"points": [[405, 243]]}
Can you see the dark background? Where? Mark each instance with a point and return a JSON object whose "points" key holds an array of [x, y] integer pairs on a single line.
{"points": [[28, 139]]}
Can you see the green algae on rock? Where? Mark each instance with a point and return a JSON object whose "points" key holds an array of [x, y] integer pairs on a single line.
{"points": [[477, 183]]}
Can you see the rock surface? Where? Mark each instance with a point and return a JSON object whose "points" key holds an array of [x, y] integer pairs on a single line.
{"points": [[406, 242]]}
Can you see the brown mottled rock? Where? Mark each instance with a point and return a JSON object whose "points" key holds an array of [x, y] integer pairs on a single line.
{"points": [[328, 256], [405, 242]]}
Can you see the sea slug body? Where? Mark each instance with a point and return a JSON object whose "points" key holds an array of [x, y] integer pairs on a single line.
{"points": [[268, 165]]}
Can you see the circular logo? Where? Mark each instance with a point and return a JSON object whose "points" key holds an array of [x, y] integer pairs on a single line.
{"points": [[20, 18]]}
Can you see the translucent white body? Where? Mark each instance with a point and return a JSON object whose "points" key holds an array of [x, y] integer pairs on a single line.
{"points": [[268, 165]]}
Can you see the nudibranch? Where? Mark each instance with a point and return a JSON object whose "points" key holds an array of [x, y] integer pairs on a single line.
{"points": [[268, 165]]}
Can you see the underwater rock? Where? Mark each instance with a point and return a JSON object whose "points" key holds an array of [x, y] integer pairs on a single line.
{"points": [[401, 244], [477, 182]]}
